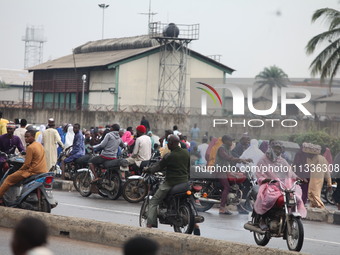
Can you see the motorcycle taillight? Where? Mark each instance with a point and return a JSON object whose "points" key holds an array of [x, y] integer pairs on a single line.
{"points": [[48, 179], [280, 202]]}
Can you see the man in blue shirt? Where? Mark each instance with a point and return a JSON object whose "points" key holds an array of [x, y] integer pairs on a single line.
{"points": [[78, 148]]}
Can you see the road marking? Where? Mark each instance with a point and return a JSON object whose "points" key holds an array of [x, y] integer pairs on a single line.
{"points": [[101, 209], [321, 241]]}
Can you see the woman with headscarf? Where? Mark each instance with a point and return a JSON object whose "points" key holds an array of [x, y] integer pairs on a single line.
{"points": [[319, 171], [273, 167], [69, 137], [253, 152]]}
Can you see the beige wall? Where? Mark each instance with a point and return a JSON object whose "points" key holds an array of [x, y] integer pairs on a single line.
{"points": [[101, 81], [138, 79]]}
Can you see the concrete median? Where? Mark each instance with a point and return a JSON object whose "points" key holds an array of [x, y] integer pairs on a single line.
{"points": [[115, 235]]}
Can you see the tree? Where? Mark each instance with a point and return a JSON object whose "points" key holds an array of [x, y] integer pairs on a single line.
{"points": [[272, 76], [328, 61], [3, 84]]}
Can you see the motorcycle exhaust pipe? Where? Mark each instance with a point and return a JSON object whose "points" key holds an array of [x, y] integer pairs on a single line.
{"points": [[209, 200], [253, 228], [199, 219]]}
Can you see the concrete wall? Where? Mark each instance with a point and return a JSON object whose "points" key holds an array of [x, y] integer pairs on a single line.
{"points": [[160, 122]]}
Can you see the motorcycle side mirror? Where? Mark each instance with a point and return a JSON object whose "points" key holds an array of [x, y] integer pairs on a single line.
{"points": [[23, 153]]}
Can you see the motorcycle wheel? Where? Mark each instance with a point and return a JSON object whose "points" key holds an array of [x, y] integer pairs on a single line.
{"points": [[115, 187], [295, 240], [84, 184], [187, 217], [260, 239], [329, 196], [135, 191], [143, 215], [45, 206], [76, 181], [204, 206]]}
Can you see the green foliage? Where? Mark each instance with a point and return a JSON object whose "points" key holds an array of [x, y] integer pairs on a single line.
{"points": [[272, 76], [3, 84], [327, 62], [318, 137]]}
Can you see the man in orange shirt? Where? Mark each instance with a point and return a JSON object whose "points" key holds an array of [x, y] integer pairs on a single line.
{"points": [[35, 163]]}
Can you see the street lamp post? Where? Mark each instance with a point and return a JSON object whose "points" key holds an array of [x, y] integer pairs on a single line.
{"points": [[103, 6], [83, 92]]}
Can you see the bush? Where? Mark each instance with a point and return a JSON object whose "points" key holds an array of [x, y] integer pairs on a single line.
{"points": [[318, 137]]}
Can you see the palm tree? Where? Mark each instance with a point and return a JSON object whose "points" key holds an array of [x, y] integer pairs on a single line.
{"points": [[328, 61], [272, 76]]}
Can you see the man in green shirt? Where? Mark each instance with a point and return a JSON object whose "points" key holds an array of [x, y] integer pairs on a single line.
{"points": [[177, 165]]}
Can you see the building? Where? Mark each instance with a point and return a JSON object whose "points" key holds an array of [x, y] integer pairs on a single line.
{"points": [[15, 87], [121, 75]]}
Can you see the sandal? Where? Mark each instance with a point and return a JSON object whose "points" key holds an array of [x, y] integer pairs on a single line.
{"points": [[226, 212]]}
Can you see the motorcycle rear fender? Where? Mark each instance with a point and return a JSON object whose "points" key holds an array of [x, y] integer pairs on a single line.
{"points": [[33, 187], [135, 177], [86, 170]]}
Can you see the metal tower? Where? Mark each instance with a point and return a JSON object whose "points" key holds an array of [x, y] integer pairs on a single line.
{"points": [[174, 41], [34, 42]]}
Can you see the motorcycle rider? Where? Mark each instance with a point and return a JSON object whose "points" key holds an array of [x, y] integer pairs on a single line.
{"points": [[224, 158], [268, 194], [8, 143], [35, 163], [78, 148], [177, 165], [109, 147], [142, 149]]}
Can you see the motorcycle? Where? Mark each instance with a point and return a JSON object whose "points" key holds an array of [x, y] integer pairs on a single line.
{"points": [[176, 210], [135, 188], [283, 220], [33, 193], [326, 194], [109, 183], [211, 191]]}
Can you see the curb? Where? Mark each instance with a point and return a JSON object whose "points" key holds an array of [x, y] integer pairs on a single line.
{"points": [[116, 235], [323, 215], [64, 185]]}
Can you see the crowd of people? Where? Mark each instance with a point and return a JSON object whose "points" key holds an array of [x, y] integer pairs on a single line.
{"points": [[178, 153]]}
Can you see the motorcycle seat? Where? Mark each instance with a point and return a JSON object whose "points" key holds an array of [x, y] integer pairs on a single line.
{"points": [[179, 189], [36, 176], [116, 163]]}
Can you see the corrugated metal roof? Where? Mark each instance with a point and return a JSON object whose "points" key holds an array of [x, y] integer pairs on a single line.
{"points": [[110, 51], [15, 77], [91, 59]]}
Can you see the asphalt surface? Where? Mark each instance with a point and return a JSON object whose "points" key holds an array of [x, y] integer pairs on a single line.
{"points": [[320, 238]]}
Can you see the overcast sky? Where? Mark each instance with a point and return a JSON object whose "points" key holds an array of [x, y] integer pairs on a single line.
{"points": [[249, 34]]}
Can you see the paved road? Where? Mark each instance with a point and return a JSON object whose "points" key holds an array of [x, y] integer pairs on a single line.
{"points": [[320, 238], [61, 246]]}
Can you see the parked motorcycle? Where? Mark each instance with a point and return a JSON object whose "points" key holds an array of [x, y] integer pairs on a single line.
{"points": [[176, 210], [33, 193], [283, 220], [211, 191]]}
